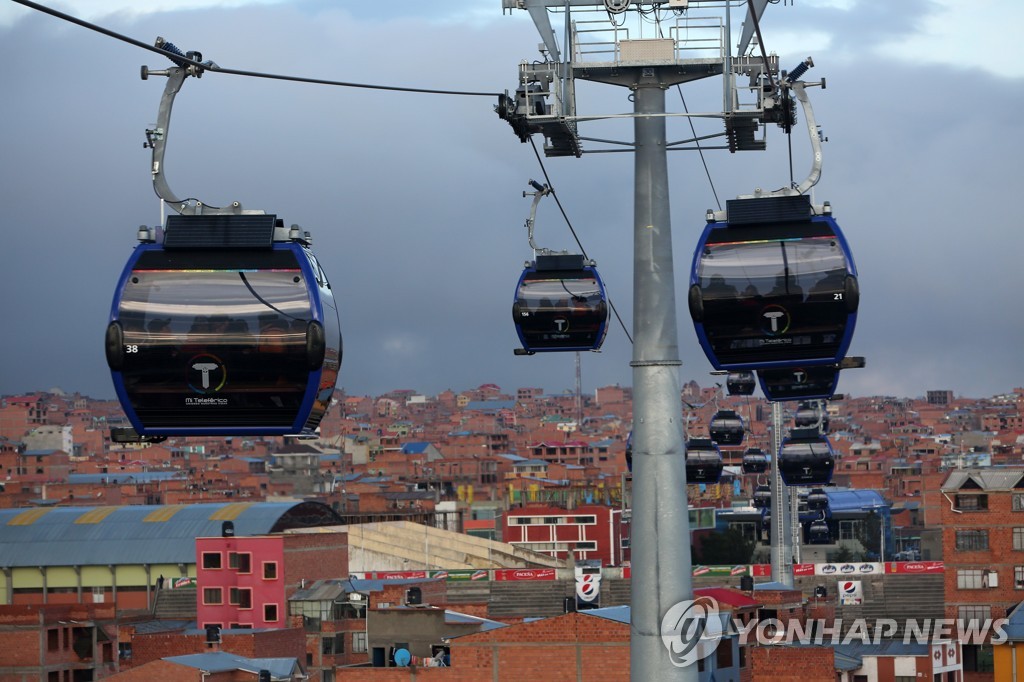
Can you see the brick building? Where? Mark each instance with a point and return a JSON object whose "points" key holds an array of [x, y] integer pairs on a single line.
{"points": [[585, 532], [73, 642], [246, 581], [983, 549]]}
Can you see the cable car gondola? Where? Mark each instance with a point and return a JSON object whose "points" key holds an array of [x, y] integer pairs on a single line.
{"points": [[818, 533], [740, 383], [806, 458], [225, 326], [811, 413], [755, 461], [560, 305], [799, 383], [775, 285], [726, 428], [762, 498], [703, 461], [817, 499]]}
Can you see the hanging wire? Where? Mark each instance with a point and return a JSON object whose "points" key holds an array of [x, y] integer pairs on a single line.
{"points": [[208, 67], [565, 216]]}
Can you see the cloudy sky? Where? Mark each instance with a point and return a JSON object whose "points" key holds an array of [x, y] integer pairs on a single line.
{"points": [[415, 200]]}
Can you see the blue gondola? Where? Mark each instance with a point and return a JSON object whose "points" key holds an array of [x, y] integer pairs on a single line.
{"points": [[726, 428], [773, 286], [740, 383], [799, 383], [806, 458], [762, 498], [755, 461], [225, 326], [560, 305], [703, 461]]}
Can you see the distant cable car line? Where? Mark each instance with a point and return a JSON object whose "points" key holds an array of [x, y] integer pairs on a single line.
{"points": [[237, 72]]}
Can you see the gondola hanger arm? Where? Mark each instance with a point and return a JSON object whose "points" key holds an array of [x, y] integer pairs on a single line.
{"points": [[156, 137], [542, 191]]}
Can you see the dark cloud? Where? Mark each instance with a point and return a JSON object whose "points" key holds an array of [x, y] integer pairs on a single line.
{"points": [[415, 201]]}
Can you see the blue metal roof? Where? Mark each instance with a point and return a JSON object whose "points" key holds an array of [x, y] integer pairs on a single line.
{"points": [[1014, 626], [415, 448], [220, 661], [486, 624], [854, 500], [490, 406], [620, 614], [139, 534]]}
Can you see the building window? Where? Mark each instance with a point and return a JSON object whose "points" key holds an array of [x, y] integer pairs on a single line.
{"points": [[240, 597], [333, 645], [978, 658], [1018, 538], [270, 570], [1018, 502], [974, 613], [212, 560], [52, 639], [971, 502], [270, 613], [971, 540], [1018, 577], [359, 642], [723, 655], [213, 595], [848, 530], [969, 579], [239, 561]]}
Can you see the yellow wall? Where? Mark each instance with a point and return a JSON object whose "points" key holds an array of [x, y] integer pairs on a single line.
{"points": [[1003, 655], [132, 575]]}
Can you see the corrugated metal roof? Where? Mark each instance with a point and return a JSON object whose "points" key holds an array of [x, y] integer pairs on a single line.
{"points": [[486, 624], [986, 479], [137, 534], [854, 500], [220, 661], [620, 614]]}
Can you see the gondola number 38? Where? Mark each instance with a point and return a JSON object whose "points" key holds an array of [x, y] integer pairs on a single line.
{"points": [[131, 348]]}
